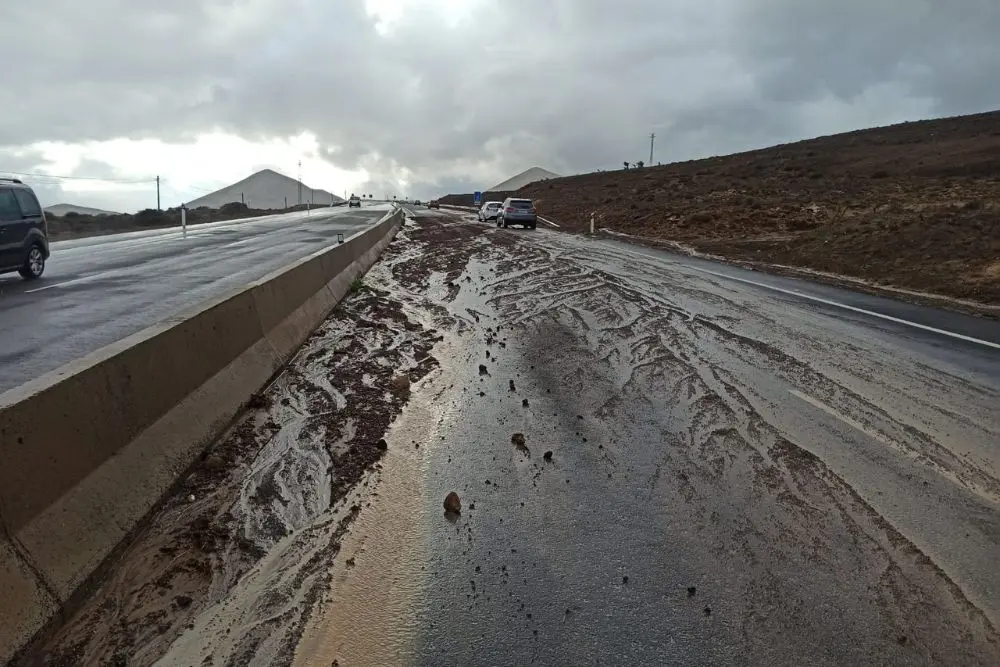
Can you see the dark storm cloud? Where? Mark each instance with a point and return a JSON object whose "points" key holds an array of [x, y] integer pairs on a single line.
{"points": [[570, 85]]}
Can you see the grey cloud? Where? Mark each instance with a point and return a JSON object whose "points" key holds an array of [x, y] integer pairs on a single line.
{"points": [[570, 85]]}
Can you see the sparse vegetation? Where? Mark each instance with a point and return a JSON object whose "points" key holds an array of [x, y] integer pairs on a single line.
{"points": [[886, 204], [74, 225]]}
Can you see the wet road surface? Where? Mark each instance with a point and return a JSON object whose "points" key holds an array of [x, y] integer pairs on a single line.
{"points": [[101, 289], [738, 476], [712, 473]]}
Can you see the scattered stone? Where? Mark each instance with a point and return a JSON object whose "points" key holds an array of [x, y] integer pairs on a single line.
{"points": [[708, 611], [214, 462], [479, 569], [520, 444], [191, 498], [382, 445], [512, 387], [524, 403], [488, 482], [350, 561], [452, 503], [482, 393], [400, 384], [579, 416], [472, 506], [625, 579], [692, 590], [547, 455], [482, 369], [901, 639], [183, 601], [487, 354]]}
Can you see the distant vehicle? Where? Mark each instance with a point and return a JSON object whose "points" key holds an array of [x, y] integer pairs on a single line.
{"points": [[489, 211], [24, 237], [433, 204], [354, 201], [416, 202], [517, 212]]}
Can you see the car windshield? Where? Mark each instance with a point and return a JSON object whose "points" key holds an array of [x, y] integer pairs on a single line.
{"points": [[521, 203]]}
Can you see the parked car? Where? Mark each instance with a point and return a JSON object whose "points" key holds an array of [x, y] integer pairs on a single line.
{"points": [[24, 238], [489, 211], [517, 212], [433, 204], [416, 202], [354, 201]]}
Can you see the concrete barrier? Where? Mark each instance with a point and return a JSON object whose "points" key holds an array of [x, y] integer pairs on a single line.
{"points": [[87, 450]]}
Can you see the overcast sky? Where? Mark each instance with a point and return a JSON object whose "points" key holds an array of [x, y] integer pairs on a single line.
{"points": [[424, 97]]}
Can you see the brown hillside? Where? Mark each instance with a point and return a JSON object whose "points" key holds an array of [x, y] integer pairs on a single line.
{"points": [[915, 205]]}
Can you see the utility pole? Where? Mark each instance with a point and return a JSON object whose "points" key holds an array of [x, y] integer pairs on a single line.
{"points": [[652, 138], [158, 194], [300, 182]]}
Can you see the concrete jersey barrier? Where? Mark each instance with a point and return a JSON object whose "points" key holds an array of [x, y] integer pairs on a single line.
{"points": [[87, 450]]}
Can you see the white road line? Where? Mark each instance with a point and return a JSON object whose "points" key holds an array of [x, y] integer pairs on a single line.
{"points": [[549, 222], [820, 405], [82, 279], [863, 311]]}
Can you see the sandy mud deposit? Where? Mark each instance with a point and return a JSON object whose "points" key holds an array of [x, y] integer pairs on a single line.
{"points": [[655, 466]]}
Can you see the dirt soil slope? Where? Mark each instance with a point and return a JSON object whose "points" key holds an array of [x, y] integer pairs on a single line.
{"points": [[915, 205]]}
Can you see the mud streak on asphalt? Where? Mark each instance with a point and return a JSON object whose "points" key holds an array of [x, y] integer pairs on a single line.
{"points": [[683, 462], [694, 509]]}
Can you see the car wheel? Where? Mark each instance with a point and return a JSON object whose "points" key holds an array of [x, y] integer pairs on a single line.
{"points": [[34, 264]]}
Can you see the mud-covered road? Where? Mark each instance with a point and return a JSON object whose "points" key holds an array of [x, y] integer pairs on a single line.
{"points": [[710, 474]]}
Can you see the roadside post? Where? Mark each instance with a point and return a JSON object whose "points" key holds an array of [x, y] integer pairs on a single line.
{"points": [[591, 223], [184, 220]]}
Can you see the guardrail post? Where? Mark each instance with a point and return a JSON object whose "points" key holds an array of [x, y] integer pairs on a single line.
{"points": [[591, 223], [184, 224]]}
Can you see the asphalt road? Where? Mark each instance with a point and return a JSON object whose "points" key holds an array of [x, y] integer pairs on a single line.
{"points": [[98, 290], [719, 468], [742, 472]]}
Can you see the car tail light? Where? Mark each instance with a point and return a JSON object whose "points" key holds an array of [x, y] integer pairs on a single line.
{"points": [[509, 209]]}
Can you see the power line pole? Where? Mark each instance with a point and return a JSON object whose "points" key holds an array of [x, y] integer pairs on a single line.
{"points": [[652, 138], [158, 194]]}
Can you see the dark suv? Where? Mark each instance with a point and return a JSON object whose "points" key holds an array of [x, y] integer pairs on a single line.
{"points": [[24, 242]]}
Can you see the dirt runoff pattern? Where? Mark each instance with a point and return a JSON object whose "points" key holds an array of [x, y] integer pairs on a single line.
{"points": [[229, 567], [685, 462], [715, 524]]}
